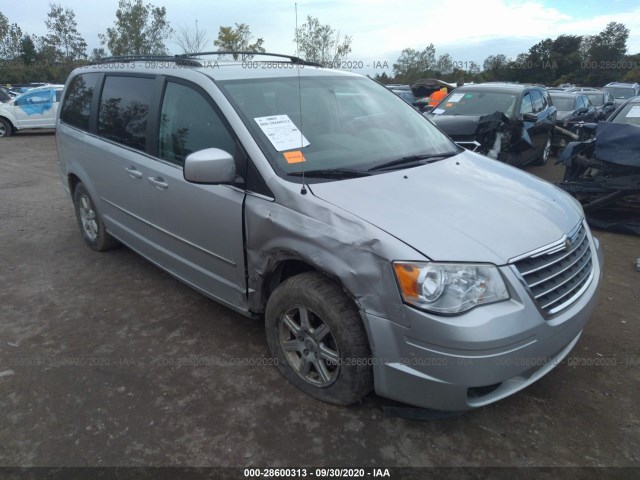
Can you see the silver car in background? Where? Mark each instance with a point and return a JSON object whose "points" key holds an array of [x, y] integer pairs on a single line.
{"points": [[380, 255]]}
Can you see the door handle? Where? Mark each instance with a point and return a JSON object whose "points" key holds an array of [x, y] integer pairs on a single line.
{"points": [[133, 173], [158, 182]]}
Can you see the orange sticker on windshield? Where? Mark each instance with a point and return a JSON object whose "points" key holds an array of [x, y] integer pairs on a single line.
{"points": [[449, 105], [294, 157]]}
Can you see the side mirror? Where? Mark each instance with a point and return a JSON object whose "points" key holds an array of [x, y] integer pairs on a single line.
{"points": [[211, 166], [530, 117]]}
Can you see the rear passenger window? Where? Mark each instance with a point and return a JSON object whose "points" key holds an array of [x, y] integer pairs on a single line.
{"points": [[188, 123], [77, 103], [124, 110]]}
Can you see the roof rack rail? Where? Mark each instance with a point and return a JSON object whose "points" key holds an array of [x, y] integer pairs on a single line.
{"points": [[291, 58], [179, 59]]}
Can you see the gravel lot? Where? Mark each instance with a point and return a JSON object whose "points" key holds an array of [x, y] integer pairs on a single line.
{"points": [[97, 355]]}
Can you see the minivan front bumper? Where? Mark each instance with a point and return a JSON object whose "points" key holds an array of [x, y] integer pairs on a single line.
{"points": [[467, 361]]}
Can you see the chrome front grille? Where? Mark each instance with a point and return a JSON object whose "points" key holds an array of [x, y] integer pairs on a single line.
{"points": [[559, 274]]}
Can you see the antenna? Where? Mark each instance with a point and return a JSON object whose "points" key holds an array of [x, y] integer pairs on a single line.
{"points": [[303, 190]]}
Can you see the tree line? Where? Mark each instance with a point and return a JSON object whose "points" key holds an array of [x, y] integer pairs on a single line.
{"points": [[141, 28], [592, 60]]}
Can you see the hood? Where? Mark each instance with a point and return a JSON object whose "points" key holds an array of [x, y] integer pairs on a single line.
{"points": [[466, 208], [564, 114]]}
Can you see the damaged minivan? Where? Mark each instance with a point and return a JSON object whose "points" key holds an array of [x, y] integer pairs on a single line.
{"points": [[509, 122], [380, 255]]}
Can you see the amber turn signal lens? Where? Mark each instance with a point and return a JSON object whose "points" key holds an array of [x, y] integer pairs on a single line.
{"points": [[408, 278]]}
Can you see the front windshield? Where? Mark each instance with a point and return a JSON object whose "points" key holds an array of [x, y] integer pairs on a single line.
{"points": [[595, 98], [563, 104], [620, 92], [630, 113], [477, 103], [343, 122]]}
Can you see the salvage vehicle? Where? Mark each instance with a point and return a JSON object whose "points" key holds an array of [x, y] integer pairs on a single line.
{"points": [[573, 109], [36, 108], [512, 123], [621, 92], [603, 173], [600, 99], [379, 254]]}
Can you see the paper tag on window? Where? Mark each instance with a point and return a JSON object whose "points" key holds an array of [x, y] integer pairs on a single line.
{"points": [[634, 112], [438, 111], [294, 157], [282, 132], [456, 97]]}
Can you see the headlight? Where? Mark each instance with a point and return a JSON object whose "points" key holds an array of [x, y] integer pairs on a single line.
{"points": [[449, 288]]}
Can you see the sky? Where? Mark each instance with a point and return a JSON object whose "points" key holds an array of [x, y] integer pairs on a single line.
{"points": [[380, 29]]}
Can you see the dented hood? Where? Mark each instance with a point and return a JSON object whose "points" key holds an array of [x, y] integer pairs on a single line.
{"points": [[465, 208]]}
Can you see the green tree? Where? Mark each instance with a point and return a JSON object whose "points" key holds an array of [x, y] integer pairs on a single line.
{"points": [[415, 64], [139, 29], [603, 52], [496, 67], [238, 39], [321, 43], [63, 35], [10, 38], [28, 52]]}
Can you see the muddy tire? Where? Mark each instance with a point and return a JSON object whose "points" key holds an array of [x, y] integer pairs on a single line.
{"points": [[316, 335], [91, 226]]}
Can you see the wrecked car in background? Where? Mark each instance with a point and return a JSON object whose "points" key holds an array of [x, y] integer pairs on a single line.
{"points": [[509, 122], [604, 172], [574, 109]]}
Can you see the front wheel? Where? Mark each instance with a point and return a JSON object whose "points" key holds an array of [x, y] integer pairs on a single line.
{"points": [[91, 226], [546, 152], [315, 333], [6, 129]]}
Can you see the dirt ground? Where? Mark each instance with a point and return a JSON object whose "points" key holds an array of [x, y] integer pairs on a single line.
{"points": [[107, 361]]}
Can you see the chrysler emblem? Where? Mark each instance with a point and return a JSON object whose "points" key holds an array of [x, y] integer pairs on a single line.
{"points": [[568, 243]]}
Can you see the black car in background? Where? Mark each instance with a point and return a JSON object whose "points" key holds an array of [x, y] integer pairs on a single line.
{"points": [[602, 100], [512, 123], [573, 109]]}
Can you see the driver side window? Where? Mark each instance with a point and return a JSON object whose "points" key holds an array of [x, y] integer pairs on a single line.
{"points": [[526, 105]]}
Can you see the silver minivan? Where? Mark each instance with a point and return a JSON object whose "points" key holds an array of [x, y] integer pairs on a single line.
{"points": [[380, 255]]}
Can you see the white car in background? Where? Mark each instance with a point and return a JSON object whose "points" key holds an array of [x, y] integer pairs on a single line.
{"points": [[36, 108]]}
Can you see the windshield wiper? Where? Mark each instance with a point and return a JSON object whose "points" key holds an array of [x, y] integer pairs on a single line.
{"points": [[331, 173], [412, 159]]}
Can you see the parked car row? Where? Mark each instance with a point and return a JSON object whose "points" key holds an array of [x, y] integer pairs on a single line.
{"points": [[521, 124]]}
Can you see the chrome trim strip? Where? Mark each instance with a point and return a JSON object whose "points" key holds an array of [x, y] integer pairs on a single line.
{"points": [[558, 285], [535, 284], [542, 250], [160, 229], [573, 299]]}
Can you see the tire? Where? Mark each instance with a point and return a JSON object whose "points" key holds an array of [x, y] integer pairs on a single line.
{"points": [[91, 226], [329, 356], [6, 129], [546, 151]]}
